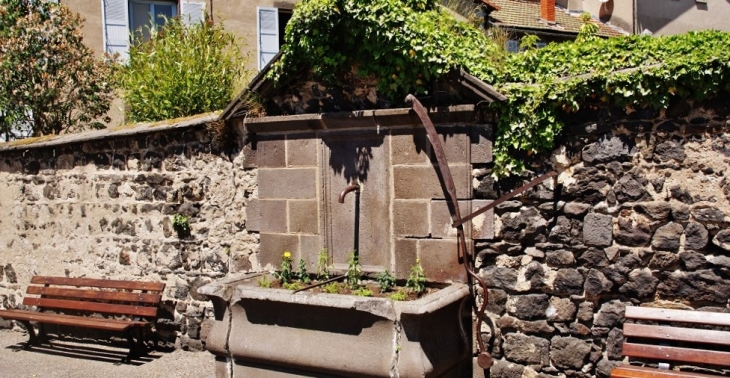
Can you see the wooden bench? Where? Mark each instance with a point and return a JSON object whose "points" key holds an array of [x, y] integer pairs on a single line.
{"points": [[73, 301], [669, 342]]}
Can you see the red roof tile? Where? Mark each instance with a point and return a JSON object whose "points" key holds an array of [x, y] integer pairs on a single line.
{"points": [[526, 14]]}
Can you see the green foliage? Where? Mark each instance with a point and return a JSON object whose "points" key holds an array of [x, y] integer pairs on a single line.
{"points": [[589, 30], [363, 292], [404, 43], [400, 295], [529, 42], [543, 85], [264, 282], [50, 82], [285, 274], [302, 275], [385, 280], [292, 285], [181, 225], [323, 272], [182, 71], [354, 271], [416, 279], [331, 288]]}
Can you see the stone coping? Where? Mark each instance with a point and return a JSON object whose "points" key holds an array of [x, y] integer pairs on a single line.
{"points": [[113, 132], [358, 119]]}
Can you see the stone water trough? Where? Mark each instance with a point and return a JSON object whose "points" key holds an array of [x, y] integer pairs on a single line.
{"points": [[262, 332]]}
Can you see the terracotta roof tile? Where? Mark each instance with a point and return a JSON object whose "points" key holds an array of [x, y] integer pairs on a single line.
{"points": [[526, 14]]}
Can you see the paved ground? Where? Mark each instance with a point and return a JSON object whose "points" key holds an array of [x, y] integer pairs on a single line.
{"points": [[67, 359]]}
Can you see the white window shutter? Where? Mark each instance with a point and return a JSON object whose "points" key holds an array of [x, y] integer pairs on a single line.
{"points": [[268, 34], [192, 12], [116, 27]]}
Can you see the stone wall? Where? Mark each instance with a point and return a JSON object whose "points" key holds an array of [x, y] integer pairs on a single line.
{"points": [[100, 205], [640, 217]]}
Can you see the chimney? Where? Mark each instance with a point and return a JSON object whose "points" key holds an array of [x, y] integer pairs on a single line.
{"points": [[547, 11]]}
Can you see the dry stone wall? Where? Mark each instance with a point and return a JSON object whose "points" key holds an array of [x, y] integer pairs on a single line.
{"points": [[640, 216], [104, 209]]}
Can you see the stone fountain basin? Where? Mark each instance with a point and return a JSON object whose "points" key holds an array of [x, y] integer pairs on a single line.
{"points": [[265, 332]]}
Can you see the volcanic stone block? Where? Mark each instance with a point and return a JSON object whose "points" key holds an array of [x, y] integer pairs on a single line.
{"points": [[568, 352], [406, 253], [722, 239], [611, 314], [410, 148], [303, 216], [560, 310], [482, 225], [695, 236], [525, 226], [667, 237], [499, 277], [642, 284], [597, 283], [528, 350], [253, 215], [292, 183], [414, 182], [410, 218], [568, 281], [273, 247], [598, 230], [439, 260], [441, 218], [481, 144], [273, 216], [271, 153], [608, 148], [301, 151], [528, 307]]}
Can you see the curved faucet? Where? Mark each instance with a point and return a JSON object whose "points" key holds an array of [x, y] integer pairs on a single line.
{"points": [[350, 188]]}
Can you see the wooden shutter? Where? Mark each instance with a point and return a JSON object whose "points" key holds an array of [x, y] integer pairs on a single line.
{"points": [[268, 34], [115, 17], [192, 12]]}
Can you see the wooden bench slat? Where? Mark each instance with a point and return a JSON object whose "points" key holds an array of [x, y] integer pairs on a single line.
{"points": [[119, 296], [683, 316], [91, 306], [677, 334], [23, 314], [68, 320], [92, 282], [665, 353], [627, 371]]}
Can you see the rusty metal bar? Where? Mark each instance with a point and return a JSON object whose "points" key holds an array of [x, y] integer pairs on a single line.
{"points": [[319, 284], [504, 198], [484, 359]]}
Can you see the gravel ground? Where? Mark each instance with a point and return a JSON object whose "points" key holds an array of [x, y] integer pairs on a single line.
{"points": [[71, 359]]}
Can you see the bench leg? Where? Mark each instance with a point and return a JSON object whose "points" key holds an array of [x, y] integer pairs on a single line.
{"points": [[136, 348], [33, 339]]}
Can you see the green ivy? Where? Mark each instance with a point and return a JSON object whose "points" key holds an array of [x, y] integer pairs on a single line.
{"points": [[630, 72], [405, 44]]}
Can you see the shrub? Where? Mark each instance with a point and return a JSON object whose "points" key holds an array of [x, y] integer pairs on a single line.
{"points": [[50, 82], [182, 71]]}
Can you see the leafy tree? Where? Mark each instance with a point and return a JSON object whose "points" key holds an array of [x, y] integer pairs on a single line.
{"points": [[181, 71], [50, 82]]}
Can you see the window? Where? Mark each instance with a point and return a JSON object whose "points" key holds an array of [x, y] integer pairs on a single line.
{"points": [[143, 14], [120, 17], [271, 23]]}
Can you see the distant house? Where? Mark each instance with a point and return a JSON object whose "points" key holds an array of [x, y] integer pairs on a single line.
{"points": [[543, 18], [657, 17], [109, 23]]}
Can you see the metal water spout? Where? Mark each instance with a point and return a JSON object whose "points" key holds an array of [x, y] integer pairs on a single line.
{"points": [[350, 188]]}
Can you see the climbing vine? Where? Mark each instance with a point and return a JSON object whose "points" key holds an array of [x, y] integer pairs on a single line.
{"points": [[406, 44]]}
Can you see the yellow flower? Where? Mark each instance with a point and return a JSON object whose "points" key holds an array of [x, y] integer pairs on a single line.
{"points": [[418, 261], [287, 255]]}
